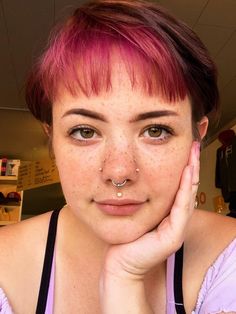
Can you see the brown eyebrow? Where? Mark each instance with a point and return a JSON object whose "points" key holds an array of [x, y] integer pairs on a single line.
{"points": [[101, 117], [86, 113], [154, 114]]}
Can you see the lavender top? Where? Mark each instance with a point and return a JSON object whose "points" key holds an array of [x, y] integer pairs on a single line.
{"points": [[217, 293], [5, 307]]}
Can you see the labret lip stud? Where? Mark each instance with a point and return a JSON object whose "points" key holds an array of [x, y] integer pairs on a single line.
{"points": [[119, 184]]}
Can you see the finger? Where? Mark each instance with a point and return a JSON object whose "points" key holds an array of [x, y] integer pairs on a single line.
{"points": [[157, 245], [195, 162], [181, 209]]}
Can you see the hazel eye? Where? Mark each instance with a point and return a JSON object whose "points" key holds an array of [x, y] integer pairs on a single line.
{"points": [[86, 133], [155, 131], [83, 133]]}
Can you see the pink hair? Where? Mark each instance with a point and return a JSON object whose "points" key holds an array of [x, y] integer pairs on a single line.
{"points": [[84, 62], [161, 55]]}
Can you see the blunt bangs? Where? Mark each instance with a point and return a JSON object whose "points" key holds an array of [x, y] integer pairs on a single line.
{"points": [[162, 57], [83, 62]]}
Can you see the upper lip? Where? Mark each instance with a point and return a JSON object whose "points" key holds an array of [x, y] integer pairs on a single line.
{"points": [[119, 202]]}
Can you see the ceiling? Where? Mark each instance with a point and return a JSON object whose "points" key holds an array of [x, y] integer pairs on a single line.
{"points": [[24, 28]]}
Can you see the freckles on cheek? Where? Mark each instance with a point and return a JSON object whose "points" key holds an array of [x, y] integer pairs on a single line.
{"points": [[71, 165], [76, 176], [167, 167]]}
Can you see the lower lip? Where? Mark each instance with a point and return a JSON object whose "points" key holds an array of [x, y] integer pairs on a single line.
{"points": [[121, 210]]}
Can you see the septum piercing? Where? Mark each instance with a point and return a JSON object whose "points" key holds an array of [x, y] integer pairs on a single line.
{"points": [[119, 184]]}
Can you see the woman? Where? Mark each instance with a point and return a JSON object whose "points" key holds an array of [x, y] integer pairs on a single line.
{"points": [[124, 92]]}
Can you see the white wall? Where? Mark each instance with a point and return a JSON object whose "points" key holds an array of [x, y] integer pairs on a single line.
{"points": [[207, 176]]}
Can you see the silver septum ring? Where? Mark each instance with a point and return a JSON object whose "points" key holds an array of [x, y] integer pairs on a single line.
{"points": [[119, 184]]}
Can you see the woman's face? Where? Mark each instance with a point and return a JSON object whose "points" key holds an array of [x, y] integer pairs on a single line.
{"points": [[108, 137]]}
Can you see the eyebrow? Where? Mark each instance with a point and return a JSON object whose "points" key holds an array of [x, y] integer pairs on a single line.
{"points": [[154, 114], [101, 117], [85, 113]]}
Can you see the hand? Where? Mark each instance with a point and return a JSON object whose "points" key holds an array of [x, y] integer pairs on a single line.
{"points": [[122, 286], [133, 260]]}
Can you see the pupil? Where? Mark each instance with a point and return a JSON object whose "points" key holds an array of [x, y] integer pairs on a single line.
{"points": [[86, 133], [155, 132]]}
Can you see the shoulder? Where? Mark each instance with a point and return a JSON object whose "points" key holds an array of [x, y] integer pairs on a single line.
{"points": [[210, 237], [22, 247], [210, 250], [211, 262], [23, 234], [210, 233]]}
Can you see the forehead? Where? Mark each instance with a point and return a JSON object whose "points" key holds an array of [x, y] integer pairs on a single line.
{"points": [[123, 100]]}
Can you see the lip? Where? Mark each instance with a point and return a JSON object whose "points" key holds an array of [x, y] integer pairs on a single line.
{"points": [[125, 207]]}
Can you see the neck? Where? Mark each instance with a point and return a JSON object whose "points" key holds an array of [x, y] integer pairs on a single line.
{"points": [[75, 237]]}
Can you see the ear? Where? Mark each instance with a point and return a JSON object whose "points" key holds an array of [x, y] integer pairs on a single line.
{"points": [[202, 127], [47, 129]]}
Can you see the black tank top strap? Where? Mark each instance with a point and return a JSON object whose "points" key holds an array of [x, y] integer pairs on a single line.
{"points": [[47, 265], [178, 289]]}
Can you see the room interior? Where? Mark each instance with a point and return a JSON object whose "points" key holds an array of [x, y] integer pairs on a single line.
{"points": [[24, 29]]}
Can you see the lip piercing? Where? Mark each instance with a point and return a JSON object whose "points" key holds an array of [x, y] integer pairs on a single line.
{"points": [[119, 184], [119, 194]]}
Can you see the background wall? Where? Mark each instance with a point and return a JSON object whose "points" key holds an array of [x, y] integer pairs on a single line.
{"points": [[207, 177]]}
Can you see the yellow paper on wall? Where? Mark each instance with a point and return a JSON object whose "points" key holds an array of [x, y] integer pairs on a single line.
{"points": [[37, 173]]}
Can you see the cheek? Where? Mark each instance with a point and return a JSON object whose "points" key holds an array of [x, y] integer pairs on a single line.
{"points": [[164, 167], [76, 169]]}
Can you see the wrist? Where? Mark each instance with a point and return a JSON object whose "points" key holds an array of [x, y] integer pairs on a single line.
{"points": [[121, 294]]}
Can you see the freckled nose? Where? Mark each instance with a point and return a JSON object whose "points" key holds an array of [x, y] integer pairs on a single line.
{"points": [[120, 165]]}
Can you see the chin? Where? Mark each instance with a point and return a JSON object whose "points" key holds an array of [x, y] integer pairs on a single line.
{"points": [[115, 240], [120, 235]]}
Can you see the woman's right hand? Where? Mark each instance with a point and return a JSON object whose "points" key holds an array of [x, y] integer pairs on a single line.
{"points": [[127, 264]]}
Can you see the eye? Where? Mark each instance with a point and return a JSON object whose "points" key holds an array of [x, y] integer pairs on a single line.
{"points": [[158, 132], [86, 133], [83, 133], [154, 131]]}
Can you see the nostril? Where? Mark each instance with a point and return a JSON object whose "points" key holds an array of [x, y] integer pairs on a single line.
{"points": [[119, 184]]}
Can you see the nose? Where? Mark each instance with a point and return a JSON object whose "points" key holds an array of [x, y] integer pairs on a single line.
{"points": [[119, 166]]}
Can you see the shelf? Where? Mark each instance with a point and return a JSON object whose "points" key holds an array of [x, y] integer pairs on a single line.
{"points": [[8, 222], [10, 206], [8, 178]]}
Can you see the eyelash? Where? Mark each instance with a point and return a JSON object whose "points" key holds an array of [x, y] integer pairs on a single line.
{"points": [[79, 129], [162, 128]]}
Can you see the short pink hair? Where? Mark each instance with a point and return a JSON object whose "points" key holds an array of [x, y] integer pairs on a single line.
{"points": [[162, 56]]}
